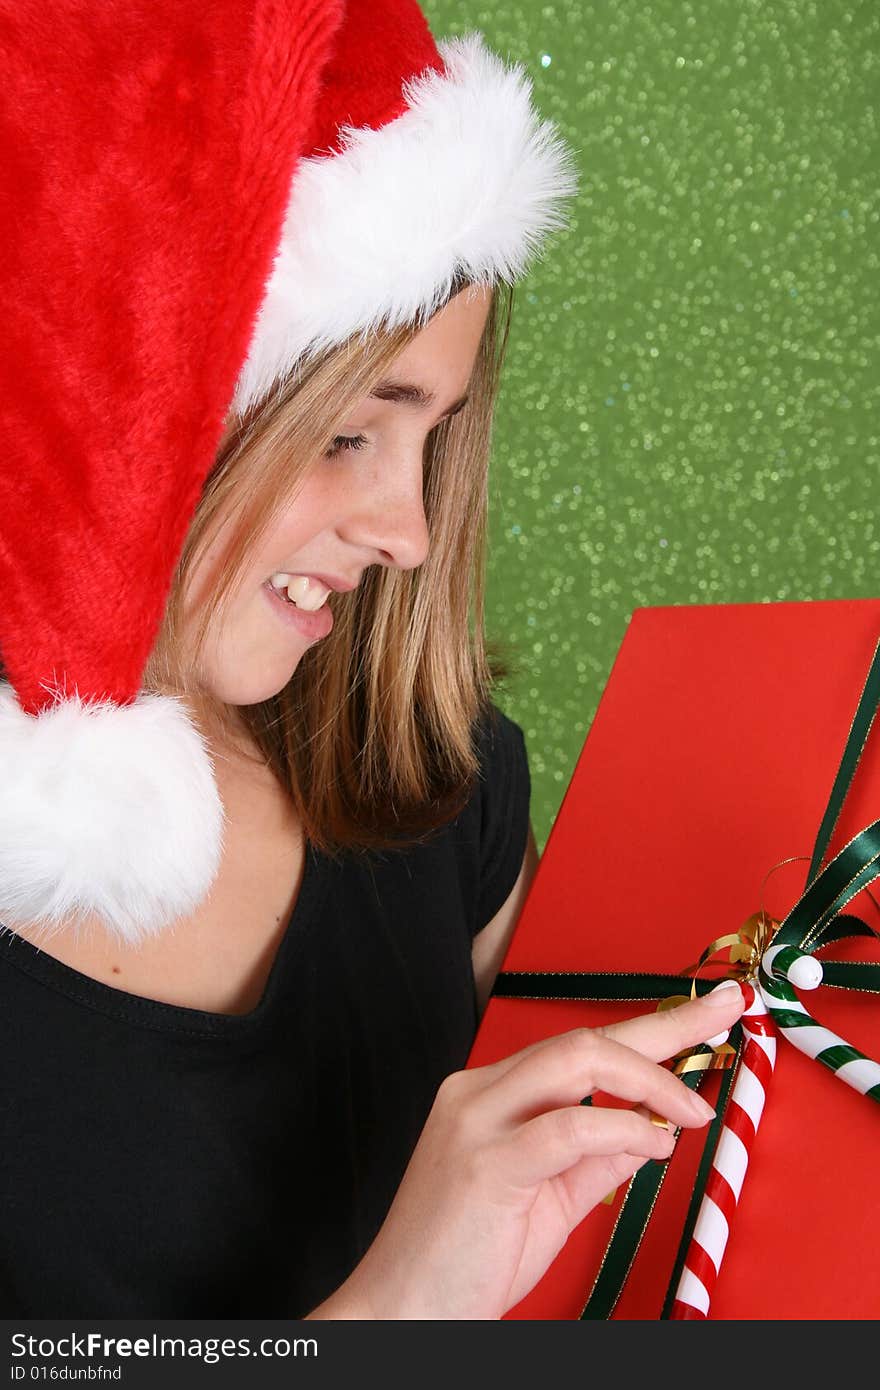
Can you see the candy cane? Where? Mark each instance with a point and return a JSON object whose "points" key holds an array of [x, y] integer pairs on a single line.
{"points": [[741, 1119], [785, 966]]}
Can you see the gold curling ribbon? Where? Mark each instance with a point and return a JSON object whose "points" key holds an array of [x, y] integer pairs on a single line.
{"points": [[744, 950]]}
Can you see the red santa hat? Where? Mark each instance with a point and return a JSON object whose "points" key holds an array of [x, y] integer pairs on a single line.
{"points": [[195, 199]]}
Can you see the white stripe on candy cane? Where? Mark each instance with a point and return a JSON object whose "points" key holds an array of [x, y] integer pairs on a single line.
{"points": [[693, 1293], [731, 1160], [861, 1074], [711, 1230], [751, 1096], [811, 1039]]}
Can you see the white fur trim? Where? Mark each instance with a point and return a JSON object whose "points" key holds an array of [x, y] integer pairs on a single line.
{"points": [[105, 809], [468, 178]]}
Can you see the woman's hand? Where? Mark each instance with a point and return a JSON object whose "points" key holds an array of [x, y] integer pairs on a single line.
{"points": [[509, 1162]]}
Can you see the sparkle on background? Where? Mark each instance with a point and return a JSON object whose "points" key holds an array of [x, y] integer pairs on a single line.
{"points": [[689, 406]]}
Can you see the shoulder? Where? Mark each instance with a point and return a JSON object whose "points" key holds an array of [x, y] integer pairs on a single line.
{"points": [[504, 778], [494, 729], [492, 830]]}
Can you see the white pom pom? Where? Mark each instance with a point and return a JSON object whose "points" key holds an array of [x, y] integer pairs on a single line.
{"points": [[107, 810]]}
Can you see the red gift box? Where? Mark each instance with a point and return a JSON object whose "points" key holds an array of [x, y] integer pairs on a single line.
{"points": [[710, 761]]}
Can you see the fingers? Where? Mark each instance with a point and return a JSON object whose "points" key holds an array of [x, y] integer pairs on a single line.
{"points": [[619, 1059], [655, 1035], [662, 1035], [577, 1063], [552, 1143], [589, 1181]]}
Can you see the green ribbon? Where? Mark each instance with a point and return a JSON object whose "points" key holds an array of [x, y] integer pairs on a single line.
{"points": [[816, 920]]}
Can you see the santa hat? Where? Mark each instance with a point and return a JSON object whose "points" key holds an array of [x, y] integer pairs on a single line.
{"points": [[195, 199]]}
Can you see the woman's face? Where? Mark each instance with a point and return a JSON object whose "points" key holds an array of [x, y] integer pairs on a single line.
{"points": [[359, 506]]}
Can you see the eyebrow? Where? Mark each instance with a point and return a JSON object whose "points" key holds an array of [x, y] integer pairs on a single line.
{"points": [[404, 393]]}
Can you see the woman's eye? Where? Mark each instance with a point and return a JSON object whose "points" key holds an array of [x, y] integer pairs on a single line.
{"points": [[344, 441]]}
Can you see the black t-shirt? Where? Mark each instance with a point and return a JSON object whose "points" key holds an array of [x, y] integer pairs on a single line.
{"points": [[159, 1161]]}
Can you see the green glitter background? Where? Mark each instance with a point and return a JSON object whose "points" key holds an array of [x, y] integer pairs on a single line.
{"points": [[689, 407]]}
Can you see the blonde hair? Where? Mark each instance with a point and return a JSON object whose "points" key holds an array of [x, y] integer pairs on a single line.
{"points": [[374, 735]]}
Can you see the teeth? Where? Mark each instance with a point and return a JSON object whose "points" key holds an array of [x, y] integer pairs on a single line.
{"points": [[311, 597], [298, 590], [307, 594]]}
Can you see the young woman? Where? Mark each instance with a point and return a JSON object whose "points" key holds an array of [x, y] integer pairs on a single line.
{"points": [[260, 1108]]}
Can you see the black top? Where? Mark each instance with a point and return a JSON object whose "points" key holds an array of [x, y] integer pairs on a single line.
{"points": [[159, 1161]]}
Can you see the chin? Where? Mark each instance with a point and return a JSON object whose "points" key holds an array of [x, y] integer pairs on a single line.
{"points": [[248, 665], [253, 694], [233, 689]]}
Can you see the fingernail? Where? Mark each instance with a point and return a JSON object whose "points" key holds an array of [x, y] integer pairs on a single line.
{"points": [[719, 994], [718, 1039], [702, 1108], [659, 1120]]}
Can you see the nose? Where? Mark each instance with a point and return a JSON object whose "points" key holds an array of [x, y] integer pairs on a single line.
{"points": [[387, 515]]}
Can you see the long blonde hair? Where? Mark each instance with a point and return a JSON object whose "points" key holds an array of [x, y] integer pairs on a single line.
{"points": [[373, 736]]}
